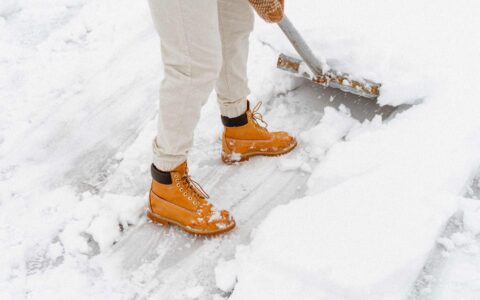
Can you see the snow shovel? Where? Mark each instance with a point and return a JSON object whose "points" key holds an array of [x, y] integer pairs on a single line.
{"points": [[314, 71]]}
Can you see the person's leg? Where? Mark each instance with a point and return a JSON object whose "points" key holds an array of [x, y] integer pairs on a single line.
{"points": [[236, 22], [244, 135], [192, 57]]}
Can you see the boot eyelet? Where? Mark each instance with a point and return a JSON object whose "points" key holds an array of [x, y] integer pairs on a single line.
{"points": [[181, 189], [178, 184], [189, 198], [185, 194]]}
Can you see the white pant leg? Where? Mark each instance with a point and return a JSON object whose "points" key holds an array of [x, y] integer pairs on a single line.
{"points": [[192, 57], [236, 21]]}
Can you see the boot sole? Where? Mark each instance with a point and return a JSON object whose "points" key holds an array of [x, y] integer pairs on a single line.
{"points": [[156, 219], [245, 157]]}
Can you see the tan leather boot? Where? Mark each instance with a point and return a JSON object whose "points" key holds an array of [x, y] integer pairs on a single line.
{"points": [[176, 199], [247, 135]]}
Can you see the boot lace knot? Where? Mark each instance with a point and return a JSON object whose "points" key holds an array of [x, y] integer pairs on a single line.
{"points": [[257, 117], [192, 188]]}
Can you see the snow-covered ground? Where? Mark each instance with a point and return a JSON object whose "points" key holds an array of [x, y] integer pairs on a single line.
{"points": [[365, 208]]}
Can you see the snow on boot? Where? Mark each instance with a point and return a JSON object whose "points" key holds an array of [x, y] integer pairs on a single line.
{"points": [[176, 199], [247, 136]]}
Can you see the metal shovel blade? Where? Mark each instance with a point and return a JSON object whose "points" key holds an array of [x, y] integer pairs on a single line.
{"points": [[313, 67]]}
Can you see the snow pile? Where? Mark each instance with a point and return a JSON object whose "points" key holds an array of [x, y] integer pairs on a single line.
{"points": [[377, 202], [64, 64], [225, 275], [396, 43], [471, 215], [460, 277], [333, 127], [103, 218], [51, 243], [194, 292]]}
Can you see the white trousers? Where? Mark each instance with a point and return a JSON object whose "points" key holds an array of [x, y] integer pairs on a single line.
{"points": [[204, 45]]}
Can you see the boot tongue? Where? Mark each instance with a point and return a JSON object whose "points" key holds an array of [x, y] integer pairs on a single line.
{"points": [[182, 169]]}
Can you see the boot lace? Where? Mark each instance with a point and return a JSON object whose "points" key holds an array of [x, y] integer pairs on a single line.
{"points": [[257, 117], [193, 188]]}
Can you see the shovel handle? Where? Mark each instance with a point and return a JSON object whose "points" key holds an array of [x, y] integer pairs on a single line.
{"points": [[300, 46]]}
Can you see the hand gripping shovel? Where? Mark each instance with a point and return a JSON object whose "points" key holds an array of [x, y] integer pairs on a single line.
{"points": [[330, 78]]}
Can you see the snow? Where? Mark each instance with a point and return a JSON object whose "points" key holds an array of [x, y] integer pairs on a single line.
{"points": [[447, 243], [384, 41], [471, 215], [64, 63], [194, 292], [289, 164], [78, 92], [226, 275], [459, 278], [333, 127], [462, 278], [376, 202]]}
